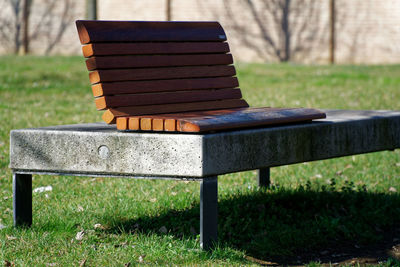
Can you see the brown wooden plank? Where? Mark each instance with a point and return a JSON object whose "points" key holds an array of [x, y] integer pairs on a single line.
{"points": [[160, 73], [158, 124], [95, 31], [170, 125], [134, 124], [146, 124], [133, 87], [247, 118], [110, 115], [166, 98], [118, 62], [122, 123], [97, 89], [108, 49]]}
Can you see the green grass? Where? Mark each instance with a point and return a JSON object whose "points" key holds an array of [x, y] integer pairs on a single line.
{"points": [[318, 212]]}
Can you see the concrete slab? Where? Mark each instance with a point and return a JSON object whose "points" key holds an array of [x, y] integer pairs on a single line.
{"points": [[99, 149]]}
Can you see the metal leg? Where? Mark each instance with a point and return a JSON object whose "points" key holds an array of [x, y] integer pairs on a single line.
{"points": [[22, 201], [208, 212], [264, 177]]}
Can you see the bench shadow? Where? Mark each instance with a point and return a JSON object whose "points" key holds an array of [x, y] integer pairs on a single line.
{"points": [[291, 227]]}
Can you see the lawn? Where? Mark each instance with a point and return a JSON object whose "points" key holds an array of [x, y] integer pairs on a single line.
{"points": [[341, 210]]}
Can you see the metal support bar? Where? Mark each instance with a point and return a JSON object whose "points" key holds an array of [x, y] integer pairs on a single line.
{"points": [[208, 212], [264, 177], [22, 200]]}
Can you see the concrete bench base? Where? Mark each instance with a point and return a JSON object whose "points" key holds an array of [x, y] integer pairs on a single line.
{"points": [[97, 149]]}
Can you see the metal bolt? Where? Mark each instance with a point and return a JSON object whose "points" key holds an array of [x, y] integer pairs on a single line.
{"points": [[103, 151]]}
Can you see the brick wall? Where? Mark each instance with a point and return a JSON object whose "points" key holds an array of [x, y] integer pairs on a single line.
{"points": [[368, 31]]}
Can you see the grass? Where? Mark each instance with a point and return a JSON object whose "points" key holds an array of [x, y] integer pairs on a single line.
{"points": [[319, 212]]}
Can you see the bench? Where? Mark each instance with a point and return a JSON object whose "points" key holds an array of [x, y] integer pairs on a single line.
{"points": [[101, 150]]}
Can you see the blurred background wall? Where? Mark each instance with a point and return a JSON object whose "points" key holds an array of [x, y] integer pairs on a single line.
{"points": [[363, 32]]}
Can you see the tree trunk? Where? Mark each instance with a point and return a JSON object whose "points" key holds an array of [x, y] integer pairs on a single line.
{"points": [[332, 31], [16, 6], [91, 9], [168, 10], [25, 23], [286, 31]]}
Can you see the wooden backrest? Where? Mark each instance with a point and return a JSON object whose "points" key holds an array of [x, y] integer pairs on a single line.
{"points": [[144, 68]]}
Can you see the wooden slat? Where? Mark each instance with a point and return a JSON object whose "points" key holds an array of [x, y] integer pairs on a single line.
{"points": [[248, 118], [134, 123], [146, 124], [169, 125], [108, 49], [122, 123], [157, 124], [118, 62], [111, 114], [159, 73], [133, 87], [94, 31], [166, 98]]}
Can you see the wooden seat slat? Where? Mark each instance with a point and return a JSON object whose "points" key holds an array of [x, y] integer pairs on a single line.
{"points": [[133, 87], [118, 62], [249, 117], [92, 31], [160, 73], [109, 49], [111, 114], [166, 98]]}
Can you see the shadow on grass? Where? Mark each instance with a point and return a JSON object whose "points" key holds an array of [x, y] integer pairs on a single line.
{"points": [[293, 226]]}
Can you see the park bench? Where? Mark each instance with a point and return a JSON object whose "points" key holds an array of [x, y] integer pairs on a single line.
{"points": [[188, 136]]}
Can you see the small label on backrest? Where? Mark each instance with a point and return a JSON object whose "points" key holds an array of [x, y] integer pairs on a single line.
{"points": [[222, 36]]}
